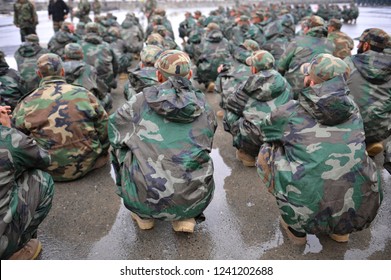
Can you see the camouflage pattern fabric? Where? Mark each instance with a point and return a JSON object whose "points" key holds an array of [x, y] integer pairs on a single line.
{"points": [[132, 35], [301, 50], [99, 54], [214, 52], [250, 103], [255, 32], [120, 49], [138, 80], [173, 63], [26, 191], [96, 7], [67, 121], [12, 86], [370, 87], [161, 174], [59, 40], [26, 57], [320, 173], [342, 42], [25, 14], [83, 11]]}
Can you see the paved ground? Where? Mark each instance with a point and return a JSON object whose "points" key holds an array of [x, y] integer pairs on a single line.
{"points": [[88, 221]]}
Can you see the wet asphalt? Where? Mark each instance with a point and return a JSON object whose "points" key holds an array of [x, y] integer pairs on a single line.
{"points": [[88, 220]]}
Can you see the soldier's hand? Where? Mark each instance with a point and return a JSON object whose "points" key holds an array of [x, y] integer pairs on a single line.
{"points": [[5, 117]]}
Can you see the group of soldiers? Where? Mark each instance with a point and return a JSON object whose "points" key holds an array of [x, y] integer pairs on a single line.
{"points": [[303, 110]]}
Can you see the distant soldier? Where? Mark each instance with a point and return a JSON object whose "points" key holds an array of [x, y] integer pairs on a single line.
{"points": [[66, 120], [193, 43], [239, 31], [26, 57], [12, 86], [343, 43], [255, 31], [83, 11], [186, 26], [79, 73], [132, 33], [250, 102], [58, 12], [145, 74], [149, 8], [302, 49], [96, 7], [63, 37], [26, 192], [161, 142], [25, 18]]}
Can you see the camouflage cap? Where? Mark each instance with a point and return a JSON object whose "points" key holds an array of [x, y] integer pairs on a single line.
{"points": [[92, 27], [73, 51], [336, 23], [314, 21], [375, 37], [261, 60], [149, 54], [32, 38], [324, 67], [173, 63], [68, 27], [49, 64], [251, 45], [155, 39], [212, 26]]}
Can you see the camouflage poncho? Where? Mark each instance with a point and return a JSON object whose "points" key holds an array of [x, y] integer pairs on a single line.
{"points": [[67, 121], [370, 87], [138, 80], [320, 173], [162, 139], [12, 87]]}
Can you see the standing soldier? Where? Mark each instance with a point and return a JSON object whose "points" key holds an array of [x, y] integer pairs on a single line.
{"points": [[149, 8], [58, 12], [25, 18], [83, 11], [96, 7], [343, 43]]}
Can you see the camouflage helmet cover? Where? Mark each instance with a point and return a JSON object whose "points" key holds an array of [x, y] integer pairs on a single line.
{"points": [[173, 63], [261, 60], [73, 51], [32, 38], [92, 27], [149, 54], [251, 45], [375, 37], [49, 64]]}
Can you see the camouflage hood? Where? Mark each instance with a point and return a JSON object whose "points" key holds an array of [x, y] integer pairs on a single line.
{"points": [[74, 69], [93, 38], [328, 102], [265, 85], [214, 36], [176, 100], [29, 50], [318, 31], [126, 24], [373, 66], [62, 37]]}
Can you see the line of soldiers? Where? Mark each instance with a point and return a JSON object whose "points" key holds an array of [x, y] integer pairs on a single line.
{"points": [[311, 122]]}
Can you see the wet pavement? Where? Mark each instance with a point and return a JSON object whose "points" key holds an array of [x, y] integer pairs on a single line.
{"points": [[88, 220]]}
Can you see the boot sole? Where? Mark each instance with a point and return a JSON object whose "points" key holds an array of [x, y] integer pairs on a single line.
{"points": [[295, 240], [142, 224], [183, 226], [339, 238], [246, 163], [38, 251]]}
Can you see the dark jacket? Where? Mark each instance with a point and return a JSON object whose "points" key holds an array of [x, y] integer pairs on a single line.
{"points": [[58, 10]]}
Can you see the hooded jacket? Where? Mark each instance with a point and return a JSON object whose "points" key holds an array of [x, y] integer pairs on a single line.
{"points": [[162, 139], [370, 87], [58, 42], [320, 173], [12, 87]]}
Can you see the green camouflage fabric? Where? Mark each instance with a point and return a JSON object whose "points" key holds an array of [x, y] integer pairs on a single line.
{"points": [[342, 42], [132, 34], [139, 79], [25, 14], [238, 34], [59, 40], [173, 63], [149, 8], [370, 87], [193, 44], [214, 51], [250, 102], [315, 163], [161, 142], [149, 54], [255, 32], [83, 11], [96, 7], [301, 50], [12, 86], [67, 121], [26, 191], [261, 60], [186, 26], [99, 54], [375, 37], [159, 20], [26, 57]]}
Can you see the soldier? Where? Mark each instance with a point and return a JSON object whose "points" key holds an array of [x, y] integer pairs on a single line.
{"points": [[145, 74], [26, 57], [132, 33], [83, 11], [343, 43], [161, 142], [79, 73], [312, 43], [25, 18], [80, 30], [250, 102], [370, 86], [193, 43], [149, 8], [58, 11], [238, 32], [314, 160], [214, 51], [96, 7], [255, 31], [63, 37], [66, 120], [234, 72], [12, 86], [26, 191], [168, 42], [186, 26], [99, 54]]}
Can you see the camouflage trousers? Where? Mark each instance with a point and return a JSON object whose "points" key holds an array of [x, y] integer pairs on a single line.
{"points": [[57, 25], [24, 31], [32, 198]]}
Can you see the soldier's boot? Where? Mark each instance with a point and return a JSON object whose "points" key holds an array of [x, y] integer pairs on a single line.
{"points": [[211, 87], [143, 224], [339, 238], [246, 159], [220, 114], [184, 225], [374, 148], [297, 238], [30, 251], [123, 76]]}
